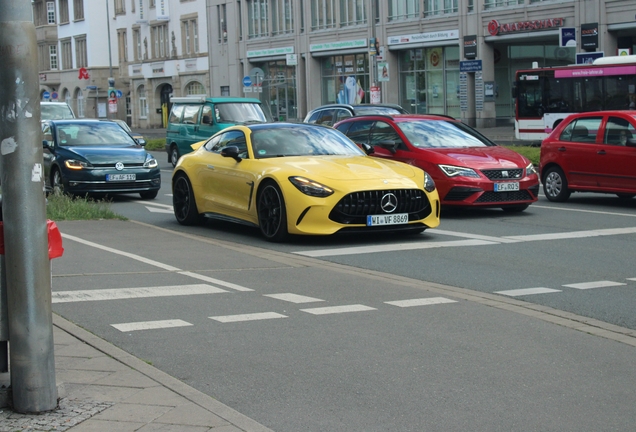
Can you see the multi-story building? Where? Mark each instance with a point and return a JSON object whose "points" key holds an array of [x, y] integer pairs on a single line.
{"points": [[453, 57]]}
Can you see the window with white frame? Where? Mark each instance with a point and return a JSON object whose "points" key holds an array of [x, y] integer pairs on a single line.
{"points": [[221, 14], [160, 41], [471, 5], [323, 14], [137, 41], [257, 18], [352, 12], [401, 9], [491, 4], [81, 105], [67, 97], [195, 88], [190, 35], [132, 5], [53, 57], [122, 45], [143, 104], [128, 106], [81, 56], [120, 7], [50, 12], [67, 54], [439, 7], [152, 3], [63, 11], [78, 9], [282, 17]]}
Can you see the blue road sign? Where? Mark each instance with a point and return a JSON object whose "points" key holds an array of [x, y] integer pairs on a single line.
{"points": [[247, 81], [119, 94], [46, 95]]}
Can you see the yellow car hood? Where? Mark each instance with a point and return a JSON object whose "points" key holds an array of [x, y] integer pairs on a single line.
{"points": [[345, 167]]}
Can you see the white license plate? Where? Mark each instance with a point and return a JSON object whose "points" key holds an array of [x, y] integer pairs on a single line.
{"points": [[121, 177], [389, 219], [505, 187]]}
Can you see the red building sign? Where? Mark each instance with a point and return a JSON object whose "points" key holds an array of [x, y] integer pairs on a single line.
{"points": [[495, 28]]}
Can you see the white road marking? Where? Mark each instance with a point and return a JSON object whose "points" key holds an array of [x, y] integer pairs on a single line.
{"points": [[338, 309], [247, 317], [129, 293], [119, 252], [634, 279], [293, 298], [473, 240], [527, 291], [158, 210], [157, 264], [154, 204], [420, 302], [215, 281], [583, 211], [597, 284], [150, 325], [392, 247]]}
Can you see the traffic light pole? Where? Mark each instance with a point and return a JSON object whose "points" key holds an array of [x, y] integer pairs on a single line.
{"points": [[28, 274]]}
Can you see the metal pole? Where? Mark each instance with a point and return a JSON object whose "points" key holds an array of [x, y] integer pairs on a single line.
{"points": [[32, 362]]}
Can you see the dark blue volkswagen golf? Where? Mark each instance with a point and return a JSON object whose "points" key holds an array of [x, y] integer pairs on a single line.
{"points": [[92, 157]]}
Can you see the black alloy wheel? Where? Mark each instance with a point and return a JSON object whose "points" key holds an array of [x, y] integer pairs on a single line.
{"points": [[272, 215], [183, 203], [555, 185]]}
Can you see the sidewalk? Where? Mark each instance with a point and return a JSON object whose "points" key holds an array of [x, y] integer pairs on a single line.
{"points": [[104, 389]]}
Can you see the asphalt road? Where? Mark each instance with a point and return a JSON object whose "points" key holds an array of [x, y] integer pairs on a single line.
{"points": [[405, 333]]}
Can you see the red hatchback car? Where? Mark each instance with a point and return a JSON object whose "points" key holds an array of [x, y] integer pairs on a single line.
{"points": [[468, 168], [590, 152]]}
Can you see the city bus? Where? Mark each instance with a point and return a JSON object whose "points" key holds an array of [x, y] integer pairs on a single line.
{"points": [[545, 96]]}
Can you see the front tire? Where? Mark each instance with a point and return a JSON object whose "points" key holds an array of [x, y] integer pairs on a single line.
{"points": [[183, 203], [174, 155], [57, 183], [272, 215], [148, 195], [555, 185]]}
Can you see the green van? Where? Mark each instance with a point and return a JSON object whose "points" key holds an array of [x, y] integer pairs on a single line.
{"points": [[197, 118]]}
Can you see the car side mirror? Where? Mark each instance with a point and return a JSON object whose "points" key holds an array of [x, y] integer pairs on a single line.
{"points": [[231, 151], [141, 141], [391, 146], [46, 144], [368, 149]]}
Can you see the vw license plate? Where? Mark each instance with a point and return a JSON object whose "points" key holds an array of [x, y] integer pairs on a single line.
{"points": [[389, 219], [121, 177], [505, 187]]}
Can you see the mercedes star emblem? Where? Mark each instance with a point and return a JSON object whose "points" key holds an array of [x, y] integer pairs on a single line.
{"points": [[389, 203]]}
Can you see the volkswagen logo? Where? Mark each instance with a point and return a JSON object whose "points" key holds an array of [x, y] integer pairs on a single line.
{"points": [[119, 166], [389, 203]]}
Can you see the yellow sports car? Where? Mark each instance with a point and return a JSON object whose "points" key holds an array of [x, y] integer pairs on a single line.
{"points": [[296, 178]]}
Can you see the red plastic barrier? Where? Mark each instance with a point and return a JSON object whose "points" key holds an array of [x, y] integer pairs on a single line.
{"points": [[55, 240]]}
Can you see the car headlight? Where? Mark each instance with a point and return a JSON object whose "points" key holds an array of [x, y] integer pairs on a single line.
{"points": [[429, 184], [151, 162], [530, 170], [75, 164], [454, 171], [310, 187]]}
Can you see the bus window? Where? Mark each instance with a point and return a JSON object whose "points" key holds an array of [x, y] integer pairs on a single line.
{"points": [[558, 94], [530, 98]]}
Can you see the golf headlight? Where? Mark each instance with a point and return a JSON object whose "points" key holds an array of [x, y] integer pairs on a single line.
{"points": [[429, 184], [75, 164], [530, 170], [151, 162], [454, 171], [310, 187]]}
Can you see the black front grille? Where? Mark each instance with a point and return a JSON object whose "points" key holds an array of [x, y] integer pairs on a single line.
{"points": [[112, 186], [354, 208], [503, 174], [460, 193], [498, 197]]}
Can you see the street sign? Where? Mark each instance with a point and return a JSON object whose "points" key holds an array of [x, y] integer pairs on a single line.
{"points": [[292, 59], [46, 95], [54, 95], [247, 81], [119, 94]]}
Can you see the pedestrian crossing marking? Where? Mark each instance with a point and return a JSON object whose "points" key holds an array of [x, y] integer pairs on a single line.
{"points": [[338, 309], [150, 325], [293, 298], [129, 293], [247, 317], [215, 281], [596, 284], [527, 291], [420, 302]]}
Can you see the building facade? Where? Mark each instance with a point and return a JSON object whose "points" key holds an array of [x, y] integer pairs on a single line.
{"points": [[452, 57]]}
